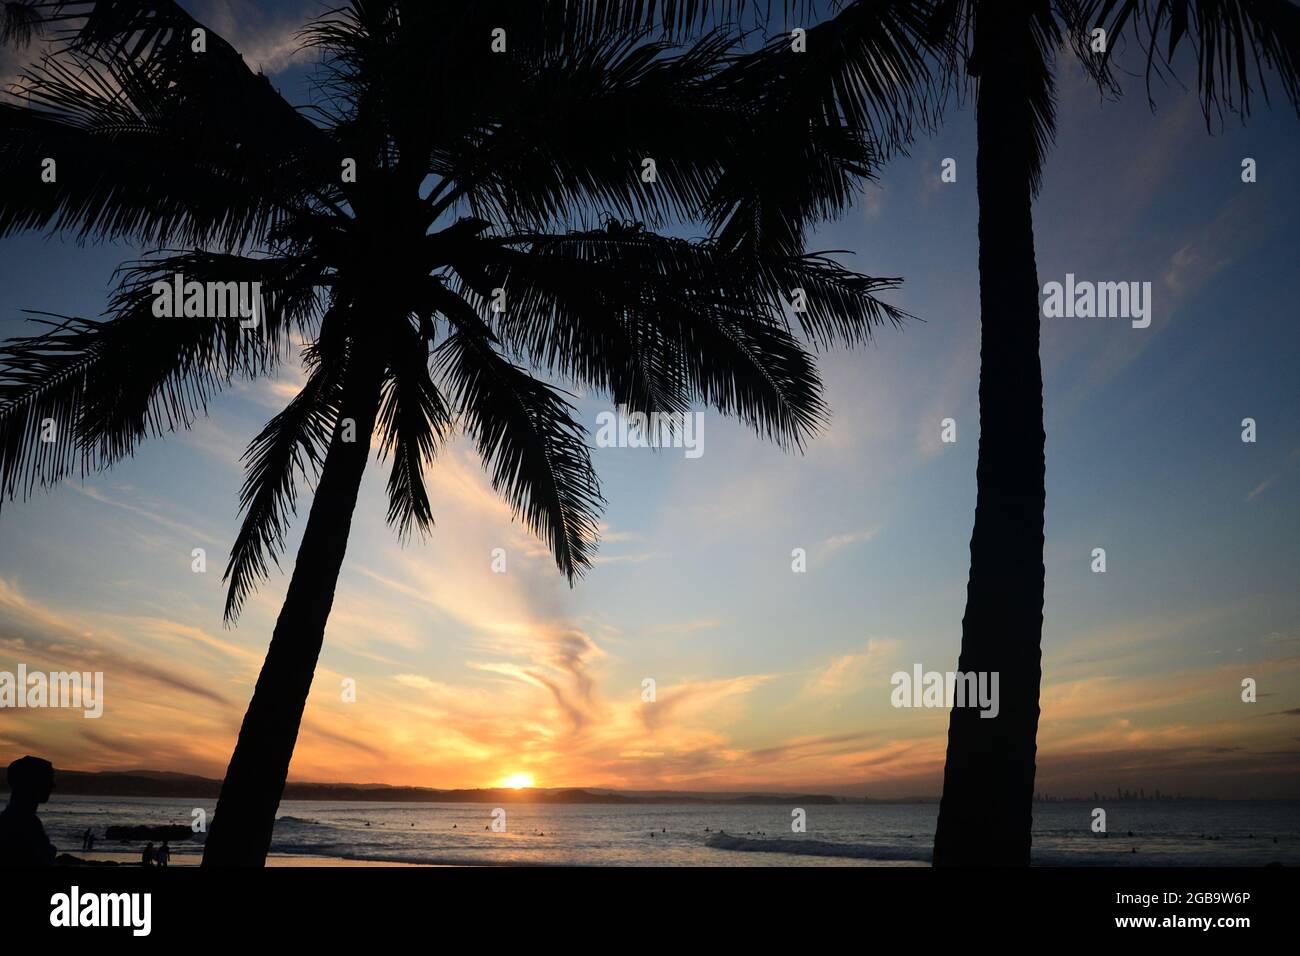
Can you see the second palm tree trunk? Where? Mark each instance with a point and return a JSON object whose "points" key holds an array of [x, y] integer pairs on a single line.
{"points": [[986, 813], [254, 782]]}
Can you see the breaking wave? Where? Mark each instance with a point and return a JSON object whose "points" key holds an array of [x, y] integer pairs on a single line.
{"points": [[857, 851]]}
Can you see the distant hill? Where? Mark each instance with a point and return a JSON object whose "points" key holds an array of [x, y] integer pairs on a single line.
{"points": [[162, 783]]}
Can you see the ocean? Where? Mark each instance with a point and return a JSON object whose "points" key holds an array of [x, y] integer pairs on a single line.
{"points": [[1182, 833]]}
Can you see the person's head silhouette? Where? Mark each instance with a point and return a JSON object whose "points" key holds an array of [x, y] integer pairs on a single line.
{"points": [[30, 781]]}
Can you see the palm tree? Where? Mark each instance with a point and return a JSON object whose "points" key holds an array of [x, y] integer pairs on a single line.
{"points": [[985, 812], [433, 176], [985, 816], [1007, 48]]}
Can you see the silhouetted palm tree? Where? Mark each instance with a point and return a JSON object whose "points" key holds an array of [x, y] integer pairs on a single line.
{"points": [[1008, 48], [474, 173]]}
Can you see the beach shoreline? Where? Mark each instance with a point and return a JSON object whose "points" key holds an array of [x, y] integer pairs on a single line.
{"points": [[131, 857], [331, 833]]}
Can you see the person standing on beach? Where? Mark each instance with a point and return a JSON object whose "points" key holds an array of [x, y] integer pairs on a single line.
{"points": [[147, 857], [22, 837], [164, 854]]}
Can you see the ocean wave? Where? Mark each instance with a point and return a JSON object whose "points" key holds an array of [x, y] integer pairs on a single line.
{"points": [[414, 857], [856, 851], [419, 859]]}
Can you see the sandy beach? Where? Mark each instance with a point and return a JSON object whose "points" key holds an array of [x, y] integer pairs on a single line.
{"points": [[132, 858]]}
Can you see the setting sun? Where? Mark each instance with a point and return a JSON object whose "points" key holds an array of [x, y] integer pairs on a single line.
{"points": [[518, 781]]}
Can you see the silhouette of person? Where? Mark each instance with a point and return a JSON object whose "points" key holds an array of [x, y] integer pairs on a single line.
{"points": [[147, 857], [164, 854], [22, 837], [90, 839]]}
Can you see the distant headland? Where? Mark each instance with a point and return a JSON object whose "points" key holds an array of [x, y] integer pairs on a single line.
{"points": [[164, 783], [160, 783]]}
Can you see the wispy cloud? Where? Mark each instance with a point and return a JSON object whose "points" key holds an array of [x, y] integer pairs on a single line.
{"points": [[1273, 479], [846, 673]]}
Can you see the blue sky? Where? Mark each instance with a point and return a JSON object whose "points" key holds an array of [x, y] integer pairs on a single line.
{"points": [[766, 678]]}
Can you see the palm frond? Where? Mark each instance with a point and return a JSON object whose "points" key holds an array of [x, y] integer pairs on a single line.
{"points": [[678, 17], [1046, 40], [575, 129], [292, 441], [787, 173], [154, 142], [659, 322], [96, 388], [842, 307], [381, 58], [868, 67], [571, 125], [20, 22], [412, 422], [1236, 43], [533, 448]]}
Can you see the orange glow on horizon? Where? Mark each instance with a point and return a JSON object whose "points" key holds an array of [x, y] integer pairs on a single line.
{"points": [[518, 781]]}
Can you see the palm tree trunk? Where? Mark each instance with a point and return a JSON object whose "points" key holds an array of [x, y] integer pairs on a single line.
{"points": [[986, 813], [250, 794]]}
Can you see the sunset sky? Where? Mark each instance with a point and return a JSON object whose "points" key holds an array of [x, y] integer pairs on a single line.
{"points": [[766, 679]]}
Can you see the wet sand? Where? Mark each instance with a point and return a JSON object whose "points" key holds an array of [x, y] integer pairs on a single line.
{"points": [[132, 858]]}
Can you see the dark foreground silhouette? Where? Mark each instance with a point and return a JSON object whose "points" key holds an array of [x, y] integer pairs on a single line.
{"points": [[23, 842], [22, 836]]}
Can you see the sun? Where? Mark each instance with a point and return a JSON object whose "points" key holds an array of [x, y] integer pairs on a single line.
{"points": [[518, 781]]}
